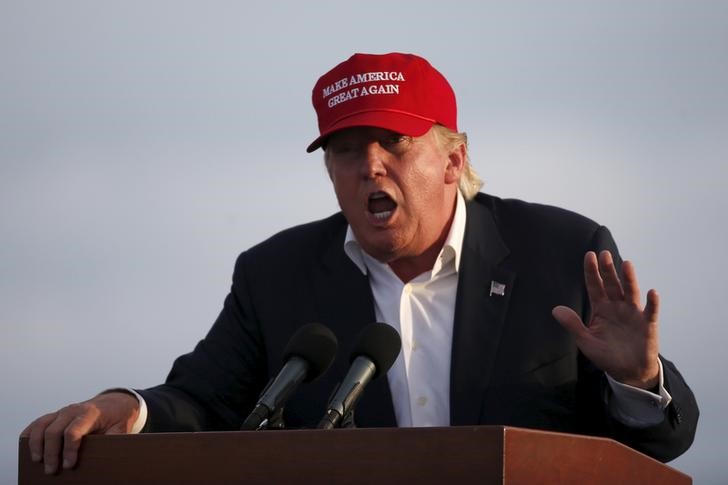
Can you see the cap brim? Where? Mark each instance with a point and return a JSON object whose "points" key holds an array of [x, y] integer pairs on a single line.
{"points": [[399, 122]]}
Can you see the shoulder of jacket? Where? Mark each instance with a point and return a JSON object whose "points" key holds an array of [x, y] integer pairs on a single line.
{"points": [[293, 241], [516, 212]]}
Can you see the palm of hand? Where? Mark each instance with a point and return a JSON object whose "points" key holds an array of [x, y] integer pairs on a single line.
{"points": [[621, 338]]}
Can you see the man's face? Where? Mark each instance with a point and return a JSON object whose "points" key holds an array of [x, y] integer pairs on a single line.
{"points": [[397, 192]]}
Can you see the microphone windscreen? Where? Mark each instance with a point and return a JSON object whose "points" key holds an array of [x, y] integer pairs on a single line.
{"points": [[316, 344], [381, 344]]}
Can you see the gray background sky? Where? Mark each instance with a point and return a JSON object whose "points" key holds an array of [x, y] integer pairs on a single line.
{"points": [[144, 144]]}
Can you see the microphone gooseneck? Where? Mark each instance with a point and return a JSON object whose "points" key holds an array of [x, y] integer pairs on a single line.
{"points": [[308, 354], [376, 350]]}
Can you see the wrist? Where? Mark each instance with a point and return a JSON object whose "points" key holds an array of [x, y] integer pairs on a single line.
{"points": [[648, 380], [131, 403]]}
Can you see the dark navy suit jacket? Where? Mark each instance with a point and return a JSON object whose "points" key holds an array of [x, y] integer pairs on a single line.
{"points": [[512, 363]]}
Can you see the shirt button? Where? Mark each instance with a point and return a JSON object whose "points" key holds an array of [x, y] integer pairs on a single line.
{"points": [[414, 346], [407, 290], [421, 401]]}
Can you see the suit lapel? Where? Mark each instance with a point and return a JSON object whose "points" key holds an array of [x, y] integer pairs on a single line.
{"points": [[484, 288], [344, 302]]}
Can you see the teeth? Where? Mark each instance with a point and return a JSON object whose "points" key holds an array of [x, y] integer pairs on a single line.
{"points": [[382, 215], [378, 195]]}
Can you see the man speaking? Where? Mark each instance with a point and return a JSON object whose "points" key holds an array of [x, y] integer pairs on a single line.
{"points": [[509, 313]]}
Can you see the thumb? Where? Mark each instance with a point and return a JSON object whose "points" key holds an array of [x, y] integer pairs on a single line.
{"points": [[569, 320]]}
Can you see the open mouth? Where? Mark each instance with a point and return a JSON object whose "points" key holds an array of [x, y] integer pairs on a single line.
{"points": [[381, 206]]}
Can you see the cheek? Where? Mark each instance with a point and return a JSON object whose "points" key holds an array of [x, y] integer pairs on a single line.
{"points": [[425, 183], [345, 190]]}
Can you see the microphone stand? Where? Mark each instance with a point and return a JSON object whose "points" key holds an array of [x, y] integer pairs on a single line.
{"points": [[274, 422]]}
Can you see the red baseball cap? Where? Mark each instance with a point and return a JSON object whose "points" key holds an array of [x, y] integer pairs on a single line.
{"points": [[398, 92]]}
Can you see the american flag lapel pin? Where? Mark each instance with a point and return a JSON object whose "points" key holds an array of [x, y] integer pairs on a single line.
{"points": [[497, 288]]}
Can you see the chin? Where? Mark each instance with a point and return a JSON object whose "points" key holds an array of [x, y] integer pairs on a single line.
{"points": [[382, 251]]}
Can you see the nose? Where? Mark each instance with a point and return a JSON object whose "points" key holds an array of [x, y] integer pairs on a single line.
{"points": [[373, 161]]}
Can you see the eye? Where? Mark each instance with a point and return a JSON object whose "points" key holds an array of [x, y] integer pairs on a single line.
{"points": [[397, 138], [340, 147], [396, 141]]}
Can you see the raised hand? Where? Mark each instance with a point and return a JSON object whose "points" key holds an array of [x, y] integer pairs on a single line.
{"points": [[61, 431], [621, 337]]}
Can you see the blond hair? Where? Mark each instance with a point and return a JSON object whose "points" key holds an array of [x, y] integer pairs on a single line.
{"points": [[470, 182]]}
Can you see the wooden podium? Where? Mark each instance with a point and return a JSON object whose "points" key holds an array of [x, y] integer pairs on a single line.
{"points": [[456, 455]]}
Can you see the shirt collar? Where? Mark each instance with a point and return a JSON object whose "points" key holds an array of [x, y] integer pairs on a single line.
{"points": [[451, 250]]}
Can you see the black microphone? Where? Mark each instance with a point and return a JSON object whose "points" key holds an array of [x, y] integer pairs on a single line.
{"points": [[308, 354], [378, 347]]}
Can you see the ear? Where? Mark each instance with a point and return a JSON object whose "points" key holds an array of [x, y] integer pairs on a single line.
{"points": [[457, 159]]}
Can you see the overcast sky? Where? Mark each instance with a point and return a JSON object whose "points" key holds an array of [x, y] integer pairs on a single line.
{"points": [[144, 144]]}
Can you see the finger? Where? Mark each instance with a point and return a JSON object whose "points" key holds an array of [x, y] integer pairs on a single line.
{"points": [[630, 284], [612, 285], [652, 308], [79, 427], [54, 436], [52, 443], [592, 278], [570, 321], [35, 432]]}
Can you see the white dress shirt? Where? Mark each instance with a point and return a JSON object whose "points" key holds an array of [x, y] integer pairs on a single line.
{"points": [[423, 312]]}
